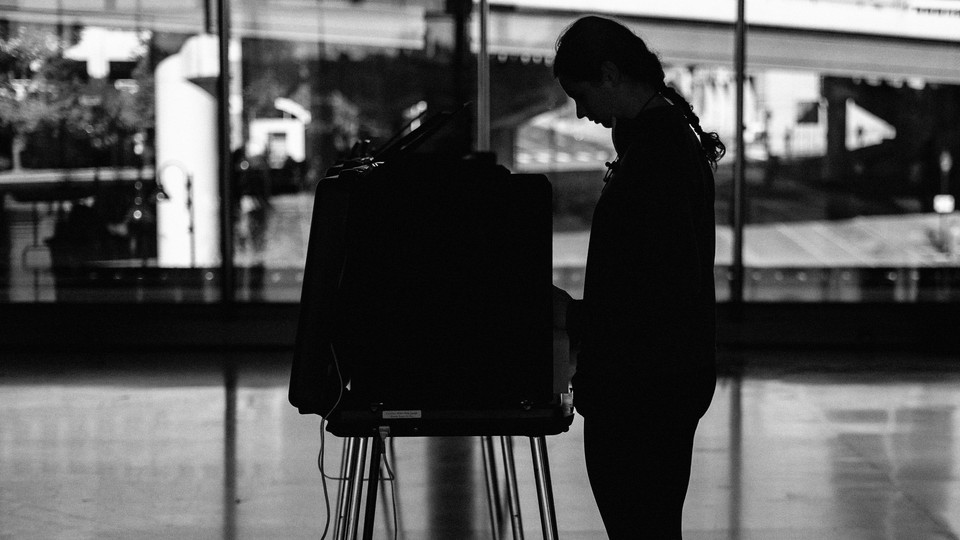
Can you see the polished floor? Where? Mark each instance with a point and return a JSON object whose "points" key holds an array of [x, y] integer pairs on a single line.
{"points": [[184, 445]]}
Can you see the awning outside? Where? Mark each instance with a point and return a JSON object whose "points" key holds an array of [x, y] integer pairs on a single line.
{"points": [[931, 52], [828, 37], [336, 23]]}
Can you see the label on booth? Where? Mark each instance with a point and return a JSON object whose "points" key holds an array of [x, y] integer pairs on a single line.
{"points": [[400, 415]]}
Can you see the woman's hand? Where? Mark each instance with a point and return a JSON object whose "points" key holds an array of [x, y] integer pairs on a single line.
{"points": [[561, 300]]}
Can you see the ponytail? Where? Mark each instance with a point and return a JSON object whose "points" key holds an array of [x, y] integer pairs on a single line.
{"points": [[710, 143]]}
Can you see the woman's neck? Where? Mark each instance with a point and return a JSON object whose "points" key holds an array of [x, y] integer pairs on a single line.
{"points": [[639, 98]]}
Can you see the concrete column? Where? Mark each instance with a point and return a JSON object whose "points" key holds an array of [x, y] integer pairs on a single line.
{"points": [[186, 148]]}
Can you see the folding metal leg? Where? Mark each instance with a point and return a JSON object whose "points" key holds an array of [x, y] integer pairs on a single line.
{"points": [[376, 450], [355, 490], [513, 494], [541, 469], [395, 488], [493, 493], [384, 502], [346, 466], [351, 494]]}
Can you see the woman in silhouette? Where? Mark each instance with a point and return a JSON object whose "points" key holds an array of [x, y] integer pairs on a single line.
{"points": [[645, 327]]}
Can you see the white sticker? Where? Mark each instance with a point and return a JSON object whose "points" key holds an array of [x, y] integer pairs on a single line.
{"points": [[399, 415]]}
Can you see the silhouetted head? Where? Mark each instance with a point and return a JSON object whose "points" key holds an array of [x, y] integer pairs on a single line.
{"points": [[589, 42], [608, 70]]}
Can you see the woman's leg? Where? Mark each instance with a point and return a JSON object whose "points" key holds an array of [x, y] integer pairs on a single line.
{"points": [[639, 469]]}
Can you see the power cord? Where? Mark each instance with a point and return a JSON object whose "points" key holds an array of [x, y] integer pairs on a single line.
{"points": [[393, 490], [391, 475], [383, 435], [323, 419], [320, 462]]}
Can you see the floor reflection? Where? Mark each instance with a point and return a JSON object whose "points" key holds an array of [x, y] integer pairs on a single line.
{"points": [[230, 499], [174, 445], [894, 465]]}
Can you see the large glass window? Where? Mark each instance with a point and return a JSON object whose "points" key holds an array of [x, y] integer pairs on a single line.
{"points": [[315, 84], [82, 85], [544, 135], [77, 177], [850, 135], [110, 162], [850, 176], [109, 152]]}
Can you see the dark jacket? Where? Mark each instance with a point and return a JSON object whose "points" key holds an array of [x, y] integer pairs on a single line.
{"points": [[646, 324]]}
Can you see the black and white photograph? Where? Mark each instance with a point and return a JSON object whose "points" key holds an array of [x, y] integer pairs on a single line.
{"points": [[479, 269]]}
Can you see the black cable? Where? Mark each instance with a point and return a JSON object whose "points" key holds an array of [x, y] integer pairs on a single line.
{"points": [[320, 463], [336, 363], [393, 492], [323, 483], [399, 134]]}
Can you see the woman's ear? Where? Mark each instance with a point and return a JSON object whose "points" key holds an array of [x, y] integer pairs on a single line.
{"points": [[609, 73]]}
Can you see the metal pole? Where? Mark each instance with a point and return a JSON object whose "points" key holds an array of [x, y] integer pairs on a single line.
{"points": [[191, 225], [356, 490], [483, 83], [513, 494], [347, 457], [227, 293], [376, 451], [461, 9], [36, 242], [735, 457], [490, 474], [739, 176], [541, 470], [230, 449], [207, 19]]}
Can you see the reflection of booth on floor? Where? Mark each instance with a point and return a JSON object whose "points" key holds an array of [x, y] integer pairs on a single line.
{"points": [[426, 310]]}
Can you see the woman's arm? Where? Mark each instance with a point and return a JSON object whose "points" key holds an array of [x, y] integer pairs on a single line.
{"points": [[568, 315]]}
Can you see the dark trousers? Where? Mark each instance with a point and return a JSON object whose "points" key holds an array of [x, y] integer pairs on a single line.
{"points": [[638, 463]]}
